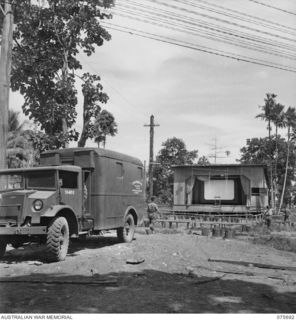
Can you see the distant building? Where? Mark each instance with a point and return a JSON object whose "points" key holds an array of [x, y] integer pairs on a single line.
{"points": [[231, 188]]}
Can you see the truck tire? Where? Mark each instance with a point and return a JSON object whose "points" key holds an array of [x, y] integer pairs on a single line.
{"points": [[2, 247], [126, 234], [57, 242]]}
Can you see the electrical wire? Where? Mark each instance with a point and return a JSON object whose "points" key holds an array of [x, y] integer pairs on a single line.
{"points": [[128, 103], [272, 7], [204, 49], [208, 35], [256, 20], [217, 19], [200, 23], [240, 17]]}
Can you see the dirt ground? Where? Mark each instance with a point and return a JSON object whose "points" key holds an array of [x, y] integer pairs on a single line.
{"points": [[165, 272]]}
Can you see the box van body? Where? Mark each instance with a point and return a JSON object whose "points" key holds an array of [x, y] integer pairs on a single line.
{"points": [[86, 189]]}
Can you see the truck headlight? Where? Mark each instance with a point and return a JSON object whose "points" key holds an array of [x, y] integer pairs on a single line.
{"points": [[38, 205]]}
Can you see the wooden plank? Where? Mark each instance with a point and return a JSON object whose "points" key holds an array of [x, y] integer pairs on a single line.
{"points": [[254, 264], [208, 280], [75, 282]]}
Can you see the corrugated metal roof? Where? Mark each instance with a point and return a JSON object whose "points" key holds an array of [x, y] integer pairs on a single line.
{"points": [[219, 165]]}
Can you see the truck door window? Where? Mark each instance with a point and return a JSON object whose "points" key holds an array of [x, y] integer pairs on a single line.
{"points": [[119, 170], [69, 179], [140, 173], [11, 181], [41, 179]]}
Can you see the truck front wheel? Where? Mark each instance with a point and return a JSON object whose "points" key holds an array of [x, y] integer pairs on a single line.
{"points": [[57, 239], [126, 234], [3, 244]]}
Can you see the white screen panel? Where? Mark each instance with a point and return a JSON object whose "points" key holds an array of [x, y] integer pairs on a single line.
{"points": [[221, 189]]}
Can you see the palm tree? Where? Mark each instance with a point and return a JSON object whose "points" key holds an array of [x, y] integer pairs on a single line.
{"points": [[277, 118], [267, 115], [18, 145], [268, 111], [203, 161], [104, 125], [290, 122]]}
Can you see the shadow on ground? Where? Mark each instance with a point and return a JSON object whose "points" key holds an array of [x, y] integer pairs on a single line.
{"points": [[36, 252], [148, 291]]}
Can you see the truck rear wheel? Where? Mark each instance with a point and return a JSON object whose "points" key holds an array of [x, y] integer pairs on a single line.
{"points": [[126, 234], [3, 244], [57, 240]]}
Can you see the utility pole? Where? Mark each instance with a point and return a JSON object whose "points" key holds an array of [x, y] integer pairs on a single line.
{"points": [[151, 153], [5, 67]]}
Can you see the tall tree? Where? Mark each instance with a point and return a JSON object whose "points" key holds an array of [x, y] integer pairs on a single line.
{"points": [[6, 30], [92, 112], [14, 124], [267, 115], [203, 161], [24, 143], [277, 118], [49, 38], [104, 126], [257, 151], [19, 148], [173, 152], [290, 121], [268, 111]]}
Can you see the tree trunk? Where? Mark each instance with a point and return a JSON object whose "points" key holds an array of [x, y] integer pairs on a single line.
{"points": [[86, 120], [82, 141], [65, 82], [5, 66], [271, 171], [286, 171], [276, 161]]}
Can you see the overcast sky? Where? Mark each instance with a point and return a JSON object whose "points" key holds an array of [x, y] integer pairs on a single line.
{"points": [[193, 95]]}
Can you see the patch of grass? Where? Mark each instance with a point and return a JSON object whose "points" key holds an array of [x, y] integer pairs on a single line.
{"points": [[142, 230], [278, 236], [277, 241], [168, 231]]}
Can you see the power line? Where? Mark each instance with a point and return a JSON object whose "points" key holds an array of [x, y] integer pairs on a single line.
{"points": [[257, 20], [272, 7], [208, 34], [218, 19], [140, 10], [116, 90], [235, 56], [192, 46], [239, 16], [199, 23]]}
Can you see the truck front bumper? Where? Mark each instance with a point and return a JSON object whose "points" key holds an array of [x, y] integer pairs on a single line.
{"points": [[39, 230]]}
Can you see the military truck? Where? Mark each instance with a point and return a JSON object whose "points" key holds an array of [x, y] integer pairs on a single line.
{"points": [[74, 192]]}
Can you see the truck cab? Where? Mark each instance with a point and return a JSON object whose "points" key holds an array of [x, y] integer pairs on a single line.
{"points": [[58, 201]]}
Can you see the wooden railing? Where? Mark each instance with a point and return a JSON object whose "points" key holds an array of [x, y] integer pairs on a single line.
{"points": [[195, 220]]}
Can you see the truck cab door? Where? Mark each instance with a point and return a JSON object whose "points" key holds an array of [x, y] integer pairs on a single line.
{"points": [[86, 189], [70, 193]]}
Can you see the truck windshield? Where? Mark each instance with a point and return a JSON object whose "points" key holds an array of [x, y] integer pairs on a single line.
{"points": [[41, 179], [10, 181]]}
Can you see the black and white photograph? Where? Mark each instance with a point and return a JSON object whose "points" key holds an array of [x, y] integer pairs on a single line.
{"points": [[147, 159]]}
